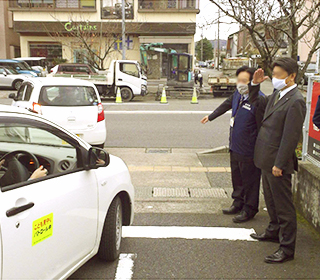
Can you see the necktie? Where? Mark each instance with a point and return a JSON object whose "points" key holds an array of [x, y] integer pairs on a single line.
{"points": [[277, 98]]}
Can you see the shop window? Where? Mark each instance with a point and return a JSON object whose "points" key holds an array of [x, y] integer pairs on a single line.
{"points": [[51, 51], [112, 9]]}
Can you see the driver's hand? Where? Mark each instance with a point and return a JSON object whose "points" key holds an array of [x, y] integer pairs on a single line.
{"points": [[2, 162], [39, 173]]}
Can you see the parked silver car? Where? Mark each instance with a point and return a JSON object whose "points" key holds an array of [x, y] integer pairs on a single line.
{"points": [[9, 77]]}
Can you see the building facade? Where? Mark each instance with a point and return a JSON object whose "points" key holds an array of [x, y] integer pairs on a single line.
{"points": [[9, 39], [60, 29]]}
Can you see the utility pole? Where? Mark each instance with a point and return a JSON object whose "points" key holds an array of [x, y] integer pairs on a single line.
{"points": [[218, 39], [201, 43], [123, 30]]}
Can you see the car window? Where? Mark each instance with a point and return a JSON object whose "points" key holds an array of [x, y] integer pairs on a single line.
{"points": [[68, 96], [21, 92], [52, 152], [82, 69], [130, 69], [28, 92], [2, 71]]}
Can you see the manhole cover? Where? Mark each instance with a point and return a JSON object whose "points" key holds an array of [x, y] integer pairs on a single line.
{"points": [[158, 151]]}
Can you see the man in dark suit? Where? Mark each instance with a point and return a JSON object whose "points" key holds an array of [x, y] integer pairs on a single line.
{"points": [[275, 155], [316, 115]]}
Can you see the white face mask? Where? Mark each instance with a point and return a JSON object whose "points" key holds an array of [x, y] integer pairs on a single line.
{"points": [[243, 88], [279, 83]]}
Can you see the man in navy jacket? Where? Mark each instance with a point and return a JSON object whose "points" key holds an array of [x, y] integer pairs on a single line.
{"points": [[244, 126]]}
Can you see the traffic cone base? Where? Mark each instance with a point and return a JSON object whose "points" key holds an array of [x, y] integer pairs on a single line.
{"points": [[118, 96], [194, 99], [163, 96]]}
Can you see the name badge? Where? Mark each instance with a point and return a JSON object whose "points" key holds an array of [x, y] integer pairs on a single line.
{"points": [[247, 106], [232, 121]]}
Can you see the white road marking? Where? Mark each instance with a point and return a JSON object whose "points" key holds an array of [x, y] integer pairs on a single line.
{"points": [[134, 104], [146, 112], [221, 233], [125, 267]]}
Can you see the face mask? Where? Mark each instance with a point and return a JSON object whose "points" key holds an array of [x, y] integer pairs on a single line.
{"points": [[279, 83], [243, 88]]}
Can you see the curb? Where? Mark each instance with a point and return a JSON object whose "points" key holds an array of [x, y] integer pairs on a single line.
{"points": [[218, 150]]}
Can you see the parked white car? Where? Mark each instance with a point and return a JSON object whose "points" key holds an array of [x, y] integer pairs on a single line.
{"points": [[74, 104], [50, 226], [10, 78]]}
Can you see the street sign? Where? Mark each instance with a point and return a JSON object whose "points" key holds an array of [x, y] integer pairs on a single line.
{"points": [[311, 133]]}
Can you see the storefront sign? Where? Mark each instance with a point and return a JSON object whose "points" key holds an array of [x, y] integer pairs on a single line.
{"points": [[71, 26], [314, 132]]}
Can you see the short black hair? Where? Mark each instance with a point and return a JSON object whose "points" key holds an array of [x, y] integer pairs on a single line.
{"points": [[288, 64], [247, 69]]}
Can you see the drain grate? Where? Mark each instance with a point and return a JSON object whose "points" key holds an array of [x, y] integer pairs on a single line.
{"points": [[158, 151], [213, 192], [171, 192]]}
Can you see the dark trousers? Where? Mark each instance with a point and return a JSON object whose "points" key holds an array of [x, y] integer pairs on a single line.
{"points": [[246, 183], [283, 220]]}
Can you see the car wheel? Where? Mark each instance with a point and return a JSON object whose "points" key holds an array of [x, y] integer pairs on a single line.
{"points": [[109, 249], [126, 94], [16, 84]]}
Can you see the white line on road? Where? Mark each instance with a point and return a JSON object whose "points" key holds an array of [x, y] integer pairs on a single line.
{"points": [[125, 267], [221, 233], [134, 104], [158, 112]]}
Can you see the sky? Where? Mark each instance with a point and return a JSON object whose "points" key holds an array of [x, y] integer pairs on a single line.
{"points": [[209, 13]]}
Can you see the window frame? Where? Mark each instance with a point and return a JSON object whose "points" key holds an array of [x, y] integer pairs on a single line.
{"points": [[82, 153]]}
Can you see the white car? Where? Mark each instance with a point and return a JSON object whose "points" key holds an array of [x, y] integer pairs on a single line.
{"points": [[74, 104], [52, 225], [10, 78]]}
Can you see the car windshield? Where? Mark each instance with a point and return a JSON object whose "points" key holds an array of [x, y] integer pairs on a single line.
{"points": [[68, 96], [12, 133]]}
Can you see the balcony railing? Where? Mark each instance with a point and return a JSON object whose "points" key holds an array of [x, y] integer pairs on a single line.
{"points": [[168, 5], [53, 4]]}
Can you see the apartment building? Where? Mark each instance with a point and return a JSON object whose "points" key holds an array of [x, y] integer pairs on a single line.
{"points": [[47, 27]]}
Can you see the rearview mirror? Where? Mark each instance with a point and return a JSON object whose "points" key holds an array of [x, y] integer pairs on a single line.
{"points": [[4, 74], [97, 158]]}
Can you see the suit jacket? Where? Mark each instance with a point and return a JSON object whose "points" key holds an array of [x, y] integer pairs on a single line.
{"points": [[280, 130], [316, 115]]}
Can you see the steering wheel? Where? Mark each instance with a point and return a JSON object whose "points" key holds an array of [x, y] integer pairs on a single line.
{"points": [[16, 172]]}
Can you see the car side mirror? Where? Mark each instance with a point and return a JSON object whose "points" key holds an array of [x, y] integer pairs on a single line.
{"points": [[4, 74], [12, 96], [97, 158]]}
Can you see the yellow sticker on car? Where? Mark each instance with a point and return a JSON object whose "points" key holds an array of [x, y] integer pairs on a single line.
{"points": [[42, 229]]}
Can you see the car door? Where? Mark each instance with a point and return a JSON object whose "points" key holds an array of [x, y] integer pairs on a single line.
{"points": [[5, 81], [129, 76], [58, 226]]}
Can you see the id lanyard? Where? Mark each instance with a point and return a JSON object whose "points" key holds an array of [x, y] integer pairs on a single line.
{"points": [[240, 104]]}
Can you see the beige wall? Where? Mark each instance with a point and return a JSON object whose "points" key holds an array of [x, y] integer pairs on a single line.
{"points": [[8, 38]]}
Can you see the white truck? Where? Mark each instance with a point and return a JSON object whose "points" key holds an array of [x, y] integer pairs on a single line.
{"points": [[125, 74]]}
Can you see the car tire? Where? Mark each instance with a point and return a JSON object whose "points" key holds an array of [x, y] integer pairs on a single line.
{"points": [[126, 94], [16, 84], [110, 242]]}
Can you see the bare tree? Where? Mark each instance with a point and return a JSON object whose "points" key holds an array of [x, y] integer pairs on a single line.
{"points": [[271, 22], [96, 42]]}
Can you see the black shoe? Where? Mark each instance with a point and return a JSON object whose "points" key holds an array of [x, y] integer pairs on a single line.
{"points": [[242, 217], [264, 237], [231, 211], [279, 257]]}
